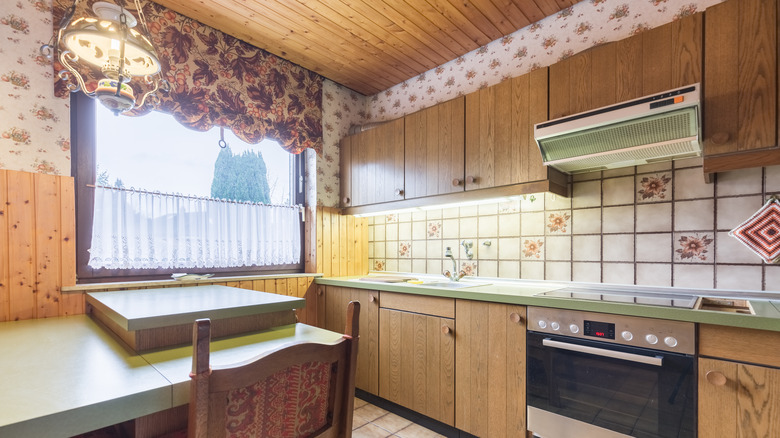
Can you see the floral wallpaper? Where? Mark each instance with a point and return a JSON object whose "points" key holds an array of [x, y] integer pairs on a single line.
{"points": [[34, 125]]}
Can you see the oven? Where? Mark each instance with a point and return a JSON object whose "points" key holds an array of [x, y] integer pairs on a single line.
{"points": [[601, 375]]}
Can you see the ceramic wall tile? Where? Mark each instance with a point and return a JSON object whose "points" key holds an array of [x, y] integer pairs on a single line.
{"points": [[556, 202], [487, 209], [586, 272], [533, 248], [420, 266], [586, 248], [391, 231], [618, 273], [510, 268], [488, 226], [379, 232], [468, 227], [391, 250], [450, 229], [655, 167], [586, 221], [509, 248], [419, 230], [654, 187], [690, 184], [532, 224], [419, 249], [404, 265], [618, 191], [557, 271], [734, 211], [772, 179], [558, 222], [772, 278], [532, 270], [558, 248], [740, 182], [404, 250], [694, 215], [694, 247], [618, 248], [654, 274], [620, 171], [488, 268], [654, 247], [435, 266], [509, 225], [586, 194], [739, 277], [695, 276], [590, 176], [653, 217], [468, 211], [618, 219], [731, 250]]}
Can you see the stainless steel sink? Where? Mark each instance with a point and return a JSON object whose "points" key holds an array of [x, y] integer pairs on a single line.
{"points": [[452, 284]]}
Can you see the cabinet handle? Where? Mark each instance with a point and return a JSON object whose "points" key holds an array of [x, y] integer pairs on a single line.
{"points": [[319, 291], [346, 200], [399, 192], [371, 298], [515, 317], [716, 378], [457, 182], [720, 137], [472, 179], [446, 330]]}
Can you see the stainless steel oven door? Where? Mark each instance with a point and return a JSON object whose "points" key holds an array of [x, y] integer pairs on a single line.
{"points": [[587, 388]]}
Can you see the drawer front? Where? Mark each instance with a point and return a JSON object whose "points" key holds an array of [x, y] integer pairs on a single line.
{"points": [[444, 307], [740, 344]]}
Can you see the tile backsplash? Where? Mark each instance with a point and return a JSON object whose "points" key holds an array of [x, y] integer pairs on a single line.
{"points": [[655, 225]]}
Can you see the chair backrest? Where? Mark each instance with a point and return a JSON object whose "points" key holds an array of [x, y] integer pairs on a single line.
{"points": [[300, 390]]}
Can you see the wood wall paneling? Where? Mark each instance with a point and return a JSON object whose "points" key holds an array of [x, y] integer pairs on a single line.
{"points": [[5, 276], [342, 243]]}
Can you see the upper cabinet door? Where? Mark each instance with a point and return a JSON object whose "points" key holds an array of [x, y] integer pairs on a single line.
{"points": [[740, 85], [657, 60], [500, 148], [376, 164], [434, 140]]}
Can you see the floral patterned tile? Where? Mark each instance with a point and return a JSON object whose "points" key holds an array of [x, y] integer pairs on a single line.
{"points": [[694, 247], [532, 249], [434, 229], [391, 218], [379, 265], [405, 250], [558, 222], [470, 268], [508, 207], [654, 187]]}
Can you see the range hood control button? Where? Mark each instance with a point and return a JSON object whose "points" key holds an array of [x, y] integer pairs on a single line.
{"points": [[627, 335], [651, 339], [574, 328], [554, 325], [670, 341], [542, 324]]}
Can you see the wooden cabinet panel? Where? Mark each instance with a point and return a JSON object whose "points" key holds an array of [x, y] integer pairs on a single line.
{"points": [[334, 317], [659, 59], [434, 141], [740, 86], [345, 169], [737, 399], [500, 148], [374, 164], [417, 363], [490, 369]]}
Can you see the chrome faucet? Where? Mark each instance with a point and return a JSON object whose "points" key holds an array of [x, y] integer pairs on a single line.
{"points": [[452, 275]]}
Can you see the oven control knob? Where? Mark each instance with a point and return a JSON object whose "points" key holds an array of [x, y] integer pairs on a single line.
{"points": [[542, 324], [554, 325], [574, 328], [627, 335], [651, 339], [670, 341]]}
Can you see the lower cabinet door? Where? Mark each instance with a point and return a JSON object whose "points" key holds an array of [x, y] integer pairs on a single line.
{"points": [[416, 362], [490, 369]]}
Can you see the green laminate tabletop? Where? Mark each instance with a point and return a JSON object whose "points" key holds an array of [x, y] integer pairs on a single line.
{"points": [[66, 376], [163, 307], [526, 292]]}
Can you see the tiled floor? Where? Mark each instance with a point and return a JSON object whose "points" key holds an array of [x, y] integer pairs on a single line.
{"points": [[370, 421]]}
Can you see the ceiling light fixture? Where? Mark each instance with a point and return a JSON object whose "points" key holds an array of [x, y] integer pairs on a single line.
{"points": [[108, 41]]}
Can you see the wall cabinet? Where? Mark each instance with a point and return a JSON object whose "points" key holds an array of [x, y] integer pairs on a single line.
{"points": [[738, 398], [417, 354], [656, 60], [500, 145], [333, 305], [740, 85], [490, 369], [433, 150], [372, 165]]}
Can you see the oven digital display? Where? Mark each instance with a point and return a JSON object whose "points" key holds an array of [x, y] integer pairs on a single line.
{"points": [[598, 329]]}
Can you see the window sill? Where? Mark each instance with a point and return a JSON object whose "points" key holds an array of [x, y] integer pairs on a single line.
{"points": [[172, 283]]}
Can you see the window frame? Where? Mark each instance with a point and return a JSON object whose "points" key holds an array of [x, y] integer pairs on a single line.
{"points": [[84, 171]]}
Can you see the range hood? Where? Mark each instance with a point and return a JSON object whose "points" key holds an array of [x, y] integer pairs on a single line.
{"points": [[660, 127]]}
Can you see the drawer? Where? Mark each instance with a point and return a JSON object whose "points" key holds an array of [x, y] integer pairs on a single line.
{"points": [[740, 344], [444, 307]]}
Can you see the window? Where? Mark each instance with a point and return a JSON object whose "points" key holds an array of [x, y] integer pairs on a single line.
{"points": [[155, 198]]}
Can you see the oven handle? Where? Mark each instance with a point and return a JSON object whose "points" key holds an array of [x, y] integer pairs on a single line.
{"points": [[650, 360]]}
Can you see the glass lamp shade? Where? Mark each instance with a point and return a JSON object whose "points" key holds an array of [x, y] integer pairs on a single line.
{"points": [[97, 42]]}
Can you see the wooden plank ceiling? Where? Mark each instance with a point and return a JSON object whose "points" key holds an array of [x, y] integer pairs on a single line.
{"points": [[368, 45]]}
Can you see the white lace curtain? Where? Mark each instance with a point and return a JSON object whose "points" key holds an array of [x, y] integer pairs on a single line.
{"points": [[142, 230]]}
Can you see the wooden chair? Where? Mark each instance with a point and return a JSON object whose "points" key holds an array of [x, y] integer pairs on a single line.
{"points": [[301, 390]]}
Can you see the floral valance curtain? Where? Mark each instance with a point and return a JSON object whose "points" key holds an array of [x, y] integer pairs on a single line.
{"points": [[219, 80]]}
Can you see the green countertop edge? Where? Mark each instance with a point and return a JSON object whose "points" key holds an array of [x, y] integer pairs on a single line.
{"points": [[285, 303], [122, 285], [767, 315]]}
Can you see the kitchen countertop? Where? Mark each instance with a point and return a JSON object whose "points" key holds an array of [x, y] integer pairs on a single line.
{"points": [[65, 376], [523, 292], [161, 307]]}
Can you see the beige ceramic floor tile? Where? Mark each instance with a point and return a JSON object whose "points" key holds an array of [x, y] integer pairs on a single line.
{"points": [[370, 431], [359, 403], [369, 412], [392, 422], [417, 431]]}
